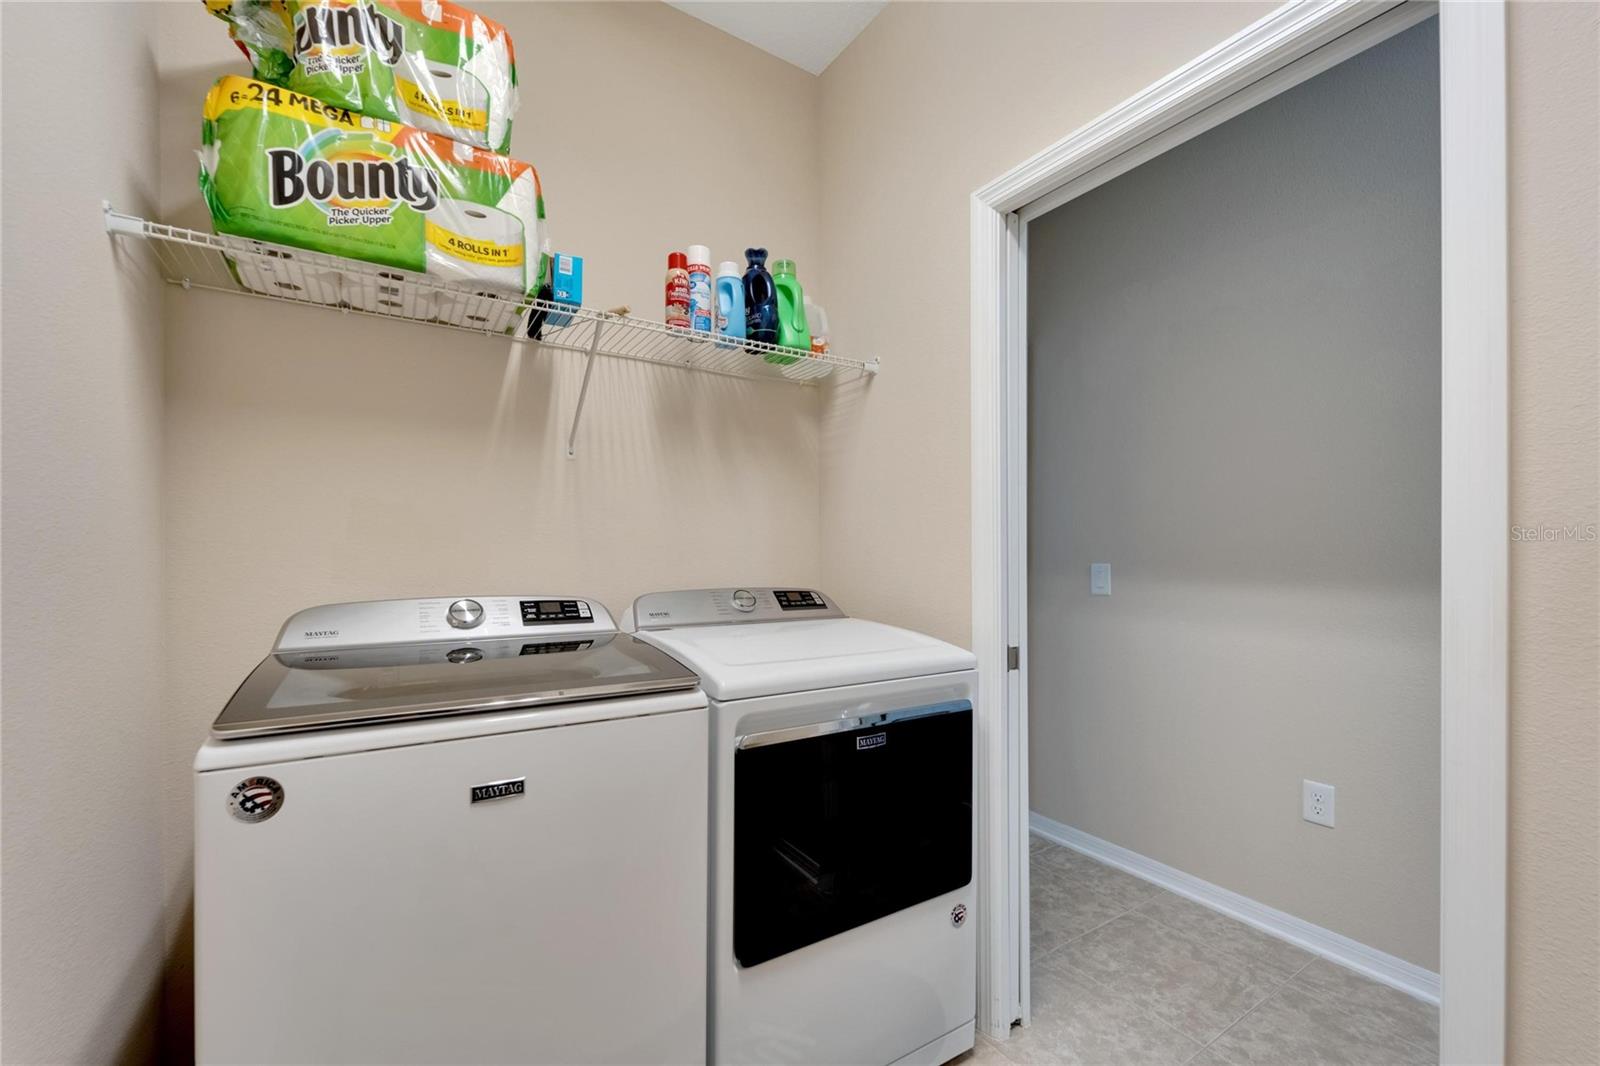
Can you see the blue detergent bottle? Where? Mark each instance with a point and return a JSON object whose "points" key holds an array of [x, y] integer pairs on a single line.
{"points": [[730, 303], [760, 299]]}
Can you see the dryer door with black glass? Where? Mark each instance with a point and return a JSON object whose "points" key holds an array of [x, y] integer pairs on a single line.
{"points": [[844, 822]]}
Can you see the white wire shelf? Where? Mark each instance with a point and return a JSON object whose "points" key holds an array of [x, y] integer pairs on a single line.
{"points": [[194, 259]]}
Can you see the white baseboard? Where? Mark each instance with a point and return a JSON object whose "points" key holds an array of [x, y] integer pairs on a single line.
{"points": [[1378, 965]]}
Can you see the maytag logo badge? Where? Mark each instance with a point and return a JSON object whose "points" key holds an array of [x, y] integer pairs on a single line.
{"points": [[495, 790], [872, 740]]}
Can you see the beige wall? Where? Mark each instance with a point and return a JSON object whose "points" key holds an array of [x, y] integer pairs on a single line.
{"points": [[315, 458], [919, 112], [1555, 482], [1242, 418], [932, 101], [81, 526]]}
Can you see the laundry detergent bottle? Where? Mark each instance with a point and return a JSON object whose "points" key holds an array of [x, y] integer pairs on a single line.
{"points": [[730, 303], [760, 299], [792, 329]]}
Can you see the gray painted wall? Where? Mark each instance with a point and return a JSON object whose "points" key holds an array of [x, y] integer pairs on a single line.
{"points": [[1234, 401]]}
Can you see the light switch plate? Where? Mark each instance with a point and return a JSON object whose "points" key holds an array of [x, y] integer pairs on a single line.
{"points": [[1099, 579]]}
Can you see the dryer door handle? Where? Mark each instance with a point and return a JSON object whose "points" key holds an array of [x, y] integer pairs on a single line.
{"points": [[845, 725]]}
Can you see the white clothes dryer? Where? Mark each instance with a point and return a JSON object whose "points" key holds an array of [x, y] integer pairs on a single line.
{"points": [[842, 829]]}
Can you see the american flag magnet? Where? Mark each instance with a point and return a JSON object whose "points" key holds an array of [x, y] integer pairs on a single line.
{"points": [[255, 799]]}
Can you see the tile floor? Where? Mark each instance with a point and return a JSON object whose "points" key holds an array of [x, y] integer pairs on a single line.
{"points": [[1125, 972]]}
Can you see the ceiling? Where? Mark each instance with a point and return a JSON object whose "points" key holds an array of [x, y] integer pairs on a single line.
{"points": [[808, 33]]}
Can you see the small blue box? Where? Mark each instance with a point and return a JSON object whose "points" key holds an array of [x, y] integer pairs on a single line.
{"points": [[566, 288]]}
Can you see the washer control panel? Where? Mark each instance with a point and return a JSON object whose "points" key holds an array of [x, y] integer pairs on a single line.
{"points": [[709, 607], [376, 623]]}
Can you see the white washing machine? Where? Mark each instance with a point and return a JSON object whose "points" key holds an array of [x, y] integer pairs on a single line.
{"points": [[453, 830], [842, 829]]}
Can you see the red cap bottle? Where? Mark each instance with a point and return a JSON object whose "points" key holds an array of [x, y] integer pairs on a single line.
{"points": [[678, 290]]}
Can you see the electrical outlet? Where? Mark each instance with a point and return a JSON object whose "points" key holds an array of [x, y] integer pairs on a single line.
{"points": [[1316, 803]]}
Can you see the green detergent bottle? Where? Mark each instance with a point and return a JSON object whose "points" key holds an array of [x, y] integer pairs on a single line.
{"points": [[792, 329]]}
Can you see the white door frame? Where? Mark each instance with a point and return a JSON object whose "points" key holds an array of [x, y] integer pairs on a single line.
{"points": [[1258, 62]]}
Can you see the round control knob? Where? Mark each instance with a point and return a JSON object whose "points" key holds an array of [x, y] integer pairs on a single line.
{"points": [[463, 655], [744, 600], [465, 614]]}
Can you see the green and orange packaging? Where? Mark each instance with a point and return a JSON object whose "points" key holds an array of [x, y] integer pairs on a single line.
{"points": [[431, 64], [284, 167]]}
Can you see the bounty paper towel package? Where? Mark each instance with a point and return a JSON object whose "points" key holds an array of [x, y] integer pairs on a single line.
{"points": [[431, 64], [261, 30], [282, 167]]}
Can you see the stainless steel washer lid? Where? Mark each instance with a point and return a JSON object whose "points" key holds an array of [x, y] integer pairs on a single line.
{"points": [[347, 664], [326, 689]]}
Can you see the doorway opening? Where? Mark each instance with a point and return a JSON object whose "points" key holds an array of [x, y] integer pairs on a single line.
{"points": [[1233, 566], [1265, 565]]}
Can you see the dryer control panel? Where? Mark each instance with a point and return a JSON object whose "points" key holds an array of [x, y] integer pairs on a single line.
{"points": [[376, 623], [709, 607]]}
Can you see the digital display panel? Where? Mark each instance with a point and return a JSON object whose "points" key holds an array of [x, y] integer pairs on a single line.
{"points": [[554, 612], [798, 600]]}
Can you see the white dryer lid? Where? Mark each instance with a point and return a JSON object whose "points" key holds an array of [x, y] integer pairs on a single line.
{"points": [[740, 661]]}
